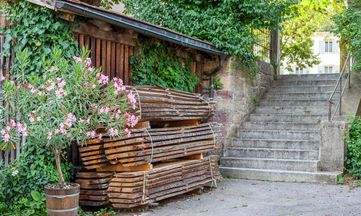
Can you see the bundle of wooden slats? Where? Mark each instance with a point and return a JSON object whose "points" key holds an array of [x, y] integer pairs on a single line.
{"points": [[149, 145], [93, 188], [162, 104], [131, 189]]}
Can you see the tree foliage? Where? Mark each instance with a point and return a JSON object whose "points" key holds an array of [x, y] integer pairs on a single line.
{"points": [[348, 27], [309, 16], [227, 24]]}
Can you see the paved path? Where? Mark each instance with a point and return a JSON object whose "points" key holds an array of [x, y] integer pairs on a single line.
{"points": [[258, 198]]}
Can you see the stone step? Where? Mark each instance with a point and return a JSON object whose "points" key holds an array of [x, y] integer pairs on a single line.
{"points": [[287, 118], [262, 125], [279, 134], [296, 154], [332, 76], [274, 143], [280, 175], [302, 89], [299, 110], [279, 102], [299, 96], [269, 163], [303, 82], [281, 126]]}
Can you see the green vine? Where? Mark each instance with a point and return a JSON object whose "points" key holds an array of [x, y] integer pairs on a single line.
{"points": [[155, 64], [38, 30]]}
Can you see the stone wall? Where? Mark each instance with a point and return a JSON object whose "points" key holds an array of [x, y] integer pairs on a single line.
{"points": [[236, 101]]}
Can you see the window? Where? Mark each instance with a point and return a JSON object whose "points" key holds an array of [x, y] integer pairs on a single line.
{"points": [[299, 70], [328, 46], [328, 69]]}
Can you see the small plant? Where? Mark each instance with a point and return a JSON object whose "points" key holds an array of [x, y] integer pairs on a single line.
{"points": [[256, 100], [340, 180], [353, 140]]}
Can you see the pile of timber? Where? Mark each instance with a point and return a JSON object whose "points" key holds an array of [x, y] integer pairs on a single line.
{"points": [[131, 189], [162, 104], [149, 145], [93, 188]]}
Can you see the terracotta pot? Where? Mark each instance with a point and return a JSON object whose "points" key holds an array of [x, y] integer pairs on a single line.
{"points": [[62, 201]]}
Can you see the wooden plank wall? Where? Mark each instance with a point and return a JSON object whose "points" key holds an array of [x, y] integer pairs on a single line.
{"points": [[113, 57]]}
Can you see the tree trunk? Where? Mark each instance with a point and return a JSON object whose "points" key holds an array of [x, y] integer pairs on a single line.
{"points": [[57, 153]]}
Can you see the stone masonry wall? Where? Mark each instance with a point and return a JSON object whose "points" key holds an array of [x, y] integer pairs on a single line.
{"points": [[237, 100]]}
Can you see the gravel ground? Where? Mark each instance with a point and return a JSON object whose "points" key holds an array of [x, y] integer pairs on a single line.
{"points": [[260, 198]]}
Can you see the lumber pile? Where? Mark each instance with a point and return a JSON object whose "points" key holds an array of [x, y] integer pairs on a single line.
{"points": [[93, 188], [131, 189], [162, 158], [149, 145], [162, 104]]}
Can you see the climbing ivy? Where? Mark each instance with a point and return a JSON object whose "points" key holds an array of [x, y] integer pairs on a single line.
{"points": [[353, 141], [227, 24], [155, 64], [38, 30]]}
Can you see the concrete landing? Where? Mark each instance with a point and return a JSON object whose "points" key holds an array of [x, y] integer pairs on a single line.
{"points": [[260, 198]]}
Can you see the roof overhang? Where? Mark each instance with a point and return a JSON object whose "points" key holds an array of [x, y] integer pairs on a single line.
{"points": [[138, 26]]}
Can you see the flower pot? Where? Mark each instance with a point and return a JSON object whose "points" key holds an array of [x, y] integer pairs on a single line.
{"points": [[62, 201]]}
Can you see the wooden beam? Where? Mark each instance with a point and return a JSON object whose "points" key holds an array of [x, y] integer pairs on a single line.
{"points": [[44, 3]]}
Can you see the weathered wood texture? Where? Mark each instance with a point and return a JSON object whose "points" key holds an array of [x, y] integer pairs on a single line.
{"points": [[132, 189], [149, 145], [93, 188], [162, 104], [112, 55]]}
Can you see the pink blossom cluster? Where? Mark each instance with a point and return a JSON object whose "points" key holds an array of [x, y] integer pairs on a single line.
{"points": [[33, 117], [102, 79], [64, 126], [88, 62], [32, 89], [113, 132], [132, 100], [93, 134], [131, 120], [118, 85], [21, 128], [60, 92], [127, 132], [104, 110]]}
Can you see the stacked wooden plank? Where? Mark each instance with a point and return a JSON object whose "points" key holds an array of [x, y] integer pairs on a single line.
{"points": [[131, 189], [93, 187], [149, 145], [162, 104]]}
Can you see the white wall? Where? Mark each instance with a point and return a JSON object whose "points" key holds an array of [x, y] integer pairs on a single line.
{"points": [[327, 59]]}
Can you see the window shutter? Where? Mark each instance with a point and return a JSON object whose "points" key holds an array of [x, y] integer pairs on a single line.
{"points": [[320, 69], [321, 47]]}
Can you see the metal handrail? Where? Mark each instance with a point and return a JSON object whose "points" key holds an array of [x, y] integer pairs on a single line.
{"points": [[342, 90]]}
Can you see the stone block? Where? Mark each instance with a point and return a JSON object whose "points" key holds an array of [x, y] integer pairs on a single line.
{"points": [[332, 148]]}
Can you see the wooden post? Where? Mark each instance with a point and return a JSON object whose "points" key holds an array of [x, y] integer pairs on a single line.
{"points": [[275, 51]]}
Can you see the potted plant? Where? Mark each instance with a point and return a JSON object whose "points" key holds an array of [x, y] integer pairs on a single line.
{"points": [[70, 102]]}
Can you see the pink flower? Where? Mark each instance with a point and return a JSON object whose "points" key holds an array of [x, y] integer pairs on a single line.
{"points": [[117, 114], [88, 62], [11, 123], [131, 120], [102, 79], [21, 128], [77, 59], [118, 85], [100, 136], [62, 129], [50, 86], [6, 135], [127, 132], [91, 134], [104, 110], [61, 83], [70, 118], [113, 132], [50, 135], [132, 100], [60, 93], [2, 78]]}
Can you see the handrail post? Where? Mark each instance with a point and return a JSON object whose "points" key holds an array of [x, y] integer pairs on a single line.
{"points": [[340, 111], [329, 110]]}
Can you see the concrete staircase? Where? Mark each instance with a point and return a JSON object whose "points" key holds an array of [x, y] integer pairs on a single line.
{"points": [[281, 140]]}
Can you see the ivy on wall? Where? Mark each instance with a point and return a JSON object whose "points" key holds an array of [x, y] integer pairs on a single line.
{"points": [[38, 30], [155, 64]]}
